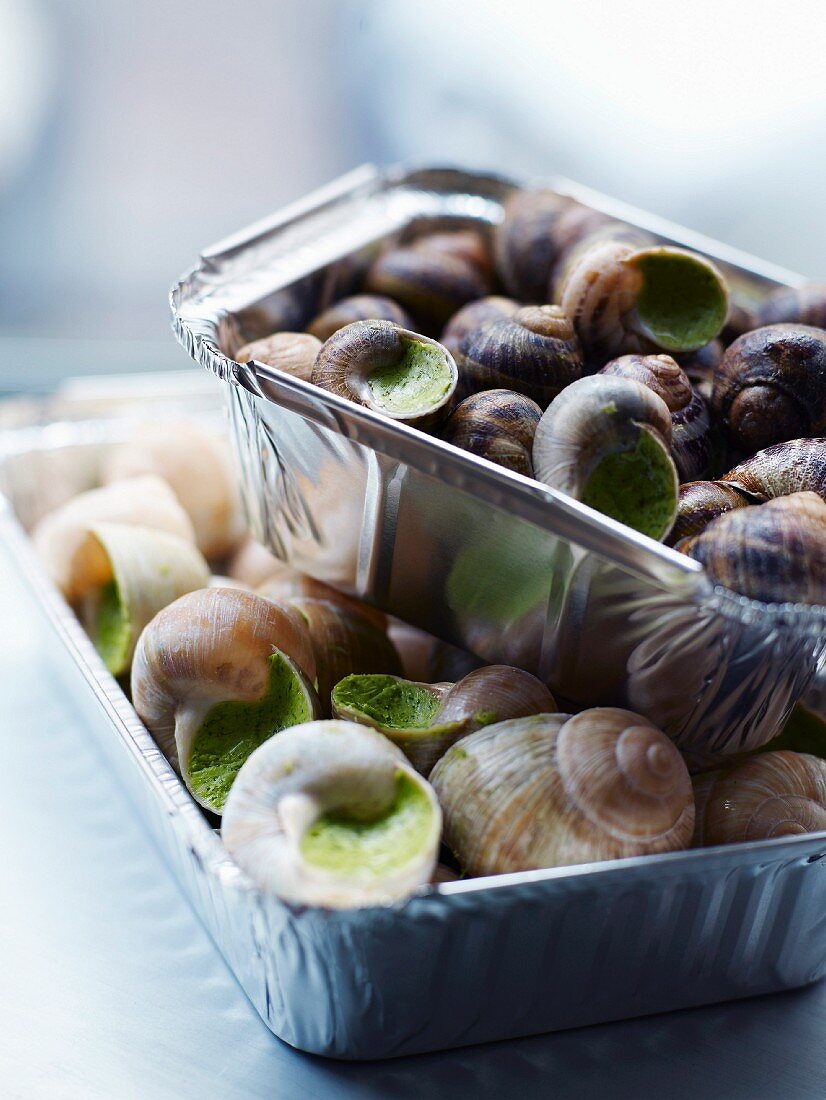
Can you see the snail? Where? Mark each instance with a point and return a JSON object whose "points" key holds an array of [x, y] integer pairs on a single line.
{"points": [[285, 584], [198, 465], [772, 794], [690, 427], [535, 353], [499, 425], [432, 277], [701, 502], [215, 674], [65, 545], [804, 305], [428, 659], [700, 365], [330, 813], [524, 245], [407, 377], [771, 386], [624, 299], [345, 642], [607, 442], [291, 352], [425, 719], [775, 552], [475, 315], [553, 790], [358, 307]]}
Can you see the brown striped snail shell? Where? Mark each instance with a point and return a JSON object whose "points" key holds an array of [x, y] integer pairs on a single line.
{"points": [[701, 502], [426, 659], [284, 584], [691, 438], [554, 790], [774, 552], [358, 307], [794, 466], [771, 386], [466, 244], [804, 305], [607, 442], [291, 352], [499, 425], [525, 247], [475, 315], [406, 376], [772, 794], [624, 299], [536, 352]]}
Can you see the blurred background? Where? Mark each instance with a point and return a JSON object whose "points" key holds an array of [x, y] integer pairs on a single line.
{"points": [[133, 135]]}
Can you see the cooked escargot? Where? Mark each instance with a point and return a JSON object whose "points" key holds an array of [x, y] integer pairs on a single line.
{"points": [[215, 674], [769, 795], [804, 305], [387, 368], [475, 315], [286, 584], [64, 542], [358, 307], [690, 426], [624, 300], [524, 244], [535, 352], [432, 277], [775, 552], [553, 790], [771, 386], [425, 719], [702, 501], [291, 352], [426, 659], [496, 424], [607, 442], [345, 642], [330, 813], [197, 464]]}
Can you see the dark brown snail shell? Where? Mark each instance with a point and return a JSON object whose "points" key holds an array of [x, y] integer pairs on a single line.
{"points": [[535, 353], [358, 307], [525, 246], [498, 425], [771, 386], [291, 352], [701, 502], [700, 365], [465, 244], [775, 552], [484, 311], [691, 429], [741, 318], [804, 305]]}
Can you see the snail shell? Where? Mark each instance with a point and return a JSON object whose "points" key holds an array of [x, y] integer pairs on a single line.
{"points": [[291, 352], [426, 659], [499, 425], [475, 315], [775, 552], [215, 647], [606, 441], [198, 466], [286, 584], [690, 426], [330, 813], [771, 386], [769, 795], [524, 245], [358, 307], [387, 368], [623, 299], [74, 558], [345, 642], [425, 719], [700, 365], [805, 305], [701, 502], [535, 352], [554, 790]]}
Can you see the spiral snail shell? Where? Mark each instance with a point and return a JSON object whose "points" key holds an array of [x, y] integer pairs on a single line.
{"points": [[524, 244], [624, 300], [499, 425], [701, 502], [535, 352], [607, 442], [291, 352], [804, 305], [390, 369], [475, 315], [771, 386], [772, 794], [690, 425], [285, 584], [553, 790], [358, 307], [331, 814]]}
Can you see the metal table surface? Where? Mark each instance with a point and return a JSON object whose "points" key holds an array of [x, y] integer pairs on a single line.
{"points": [[111, 988]]}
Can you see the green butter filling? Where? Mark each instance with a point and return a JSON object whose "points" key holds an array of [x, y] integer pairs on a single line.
{"points": [[417, 382], [392, 703], [681, 302], [232, 730], [112, 633], [635, 487], [348, 845]]}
